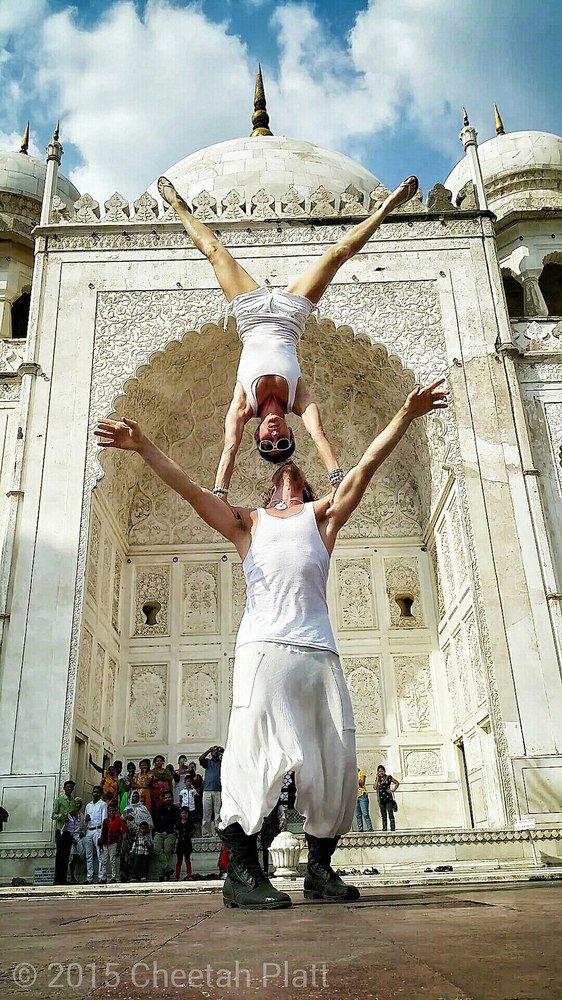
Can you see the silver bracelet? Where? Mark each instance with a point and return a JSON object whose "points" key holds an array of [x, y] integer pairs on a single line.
{"points": [[336, 476], [219, 491]]}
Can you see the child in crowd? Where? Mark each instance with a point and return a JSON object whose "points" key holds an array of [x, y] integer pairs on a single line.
{"points": [[112, 833], [140, 852], [188, 797], [184, 847]]}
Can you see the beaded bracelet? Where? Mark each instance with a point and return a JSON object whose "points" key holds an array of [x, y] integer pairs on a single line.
{"points": [[219, 491], [336, 476]]}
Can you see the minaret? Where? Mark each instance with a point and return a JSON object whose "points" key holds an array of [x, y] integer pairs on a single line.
{"points": [[260, 117], [54, 156], [24, 148], [468, 138], [498, 121]]}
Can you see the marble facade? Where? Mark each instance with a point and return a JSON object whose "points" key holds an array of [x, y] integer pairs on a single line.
{"points": [[444, 594]]}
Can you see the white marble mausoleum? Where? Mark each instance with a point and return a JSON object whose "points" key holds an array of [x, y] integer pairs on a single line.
{"points": [[118, 608]]}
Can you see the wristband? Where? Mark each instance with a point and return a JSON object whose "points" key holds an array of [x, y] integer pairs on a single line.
{"points": [[336, 476], [219, 491]]}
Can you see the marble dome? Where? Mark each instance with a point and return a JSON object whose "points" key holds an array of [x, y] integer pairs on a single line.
{"points": [[22, 174], [272, 163], [522, 171]]}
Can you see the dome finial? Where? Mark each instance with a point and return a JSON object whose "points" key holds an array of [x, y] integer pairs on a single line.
{"points": [[498, 121], [260, 117], [25, 140], [465, 120], [56, 133]]}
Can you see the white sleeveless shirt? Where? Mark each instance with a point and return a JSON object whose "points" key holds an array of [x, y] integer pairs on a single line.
{"points": [[270, 322], [286, 570]]}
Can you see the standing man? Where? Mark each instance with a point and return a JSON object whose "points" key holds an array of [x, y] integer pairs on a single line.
{"points": [[96, 812], [165, 821], [63, 805], [211, 761], [291, 707], [362, 807]]}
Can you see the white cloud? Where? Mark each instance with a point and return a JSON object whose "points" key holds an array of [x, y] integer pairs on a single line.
{"points": [[16, 15], [11, 141], [144, 86]]}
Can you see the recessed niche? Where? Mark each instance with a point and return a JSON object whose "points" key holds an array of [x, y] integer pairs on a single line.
{"points": [[150, 611], [405, 602]]}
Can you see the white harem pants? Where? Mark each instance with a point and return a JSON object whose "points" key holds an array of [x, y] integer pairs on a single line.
{"points": [[291, 711]]}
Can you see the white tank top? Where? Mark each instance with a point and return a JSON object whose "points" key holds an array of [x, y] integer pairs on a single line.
{"points": [[286, 572], [270, 322]]}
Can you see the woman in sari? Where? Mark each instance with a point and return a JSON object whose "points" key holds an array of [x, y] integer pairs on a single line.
{"points": [[142, 781], [110, 786], [162, 781]]}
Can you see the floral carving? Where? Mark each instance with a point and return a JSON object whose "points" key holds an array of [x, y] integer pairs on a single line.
{"points": [[413, 688], [146, 208], [105, 592], [362, 674], [200, 598], [422, 763], [199, 701], [402, 584], [110, 698], [116, 209], [147, 703], [93, 555], [322, 203], [86, 647], [116, 597], [152, 587], [97, 687], [355, 604]]}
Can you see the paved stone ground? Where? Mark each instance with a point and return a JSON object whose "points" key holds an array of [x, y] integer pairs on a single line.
{"points": [[445, 944]]}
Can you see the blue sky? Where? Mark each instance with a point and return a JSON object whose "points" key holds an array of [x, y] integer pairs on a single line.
{"points": [[139, 84]]}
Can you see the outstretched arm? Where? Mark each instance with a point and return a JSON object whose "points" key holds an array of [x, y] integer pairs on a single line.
{"points": [[306, 407], [352, 490], [127, 435], [238, 414]]}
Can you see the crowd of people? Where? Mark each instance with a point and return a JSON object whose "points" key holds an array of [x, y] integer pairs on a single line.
{"points": [[135, 814]]}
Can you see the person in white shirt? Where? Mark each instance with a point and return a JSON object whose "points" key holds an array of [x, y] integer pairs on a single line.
{"points": [[95, 813], [187, 797], [291, 707]]}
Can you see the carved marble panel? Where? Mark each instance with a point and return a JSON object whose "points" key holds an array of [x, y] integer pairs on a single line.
{"points": [[97, 687], [422, 763], [84, 666], [355, 594], [199, 701], [463, 673], [475, 658], [116, 594], [238, 591], [458, 549], [553, 415], [451, 672], [93, 555], [472, 753], [445, 563], [106, 581], [109, 707], [200, 599], [414, 692], [368, 760], [363, 676], [403, 592], [147, 697], [152, 589]]}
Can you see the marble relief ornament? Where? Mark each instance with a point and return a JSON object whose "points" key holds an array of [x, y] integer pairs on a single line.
{"points": [[422, 763], [151, 601], [414, 692], [355, 589], [403, 592], [199, 700], [93, 554], [110, 697], [363, 677], [116, 593], [83, 681], [200, 598], [147, 702]]}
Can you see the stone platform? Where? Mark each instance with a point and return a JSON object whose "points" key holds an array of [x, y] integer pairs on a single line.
{"points": [[463, 943]]}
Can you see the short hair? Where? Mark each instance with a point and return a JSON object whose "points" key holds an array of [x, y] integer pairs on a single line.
{"points": [[184, 809], [144, 823], [97, 788], [69, 781]]}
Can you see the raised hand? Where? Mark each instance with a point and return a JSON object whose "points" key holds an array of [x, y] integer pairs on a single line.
{"points": [[125, 434], [425, 399]]}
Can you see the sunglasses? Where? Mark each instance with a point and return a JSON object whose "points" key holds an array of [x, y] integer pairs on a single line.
{"points": [[282, 444]]}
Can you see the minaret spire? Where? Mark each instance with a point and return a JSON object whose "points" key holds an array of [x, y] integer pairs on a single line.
{"points": [[25, 140], [260, 117], [468, 138], [498, 121]]}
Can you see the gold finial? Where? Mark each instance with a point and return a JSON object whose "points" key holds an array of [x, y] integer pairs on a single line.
{"points": [[56, 132], [465, 120], [25, 140], [498, 120], [260, 117]]}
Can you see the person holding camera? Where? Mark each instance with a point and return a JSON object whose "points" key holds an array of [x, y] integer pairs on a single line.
{"points": [[385, 786], [211, 762]]}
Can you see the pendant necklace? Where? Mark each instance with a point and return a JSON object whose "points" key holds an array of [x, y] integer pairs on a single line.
{"points": [[282, 505]]}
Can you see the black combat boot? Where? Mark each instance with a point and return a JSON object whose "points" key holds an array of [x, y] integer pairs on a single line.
{"points": [[245, 884], [321, 881]]}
